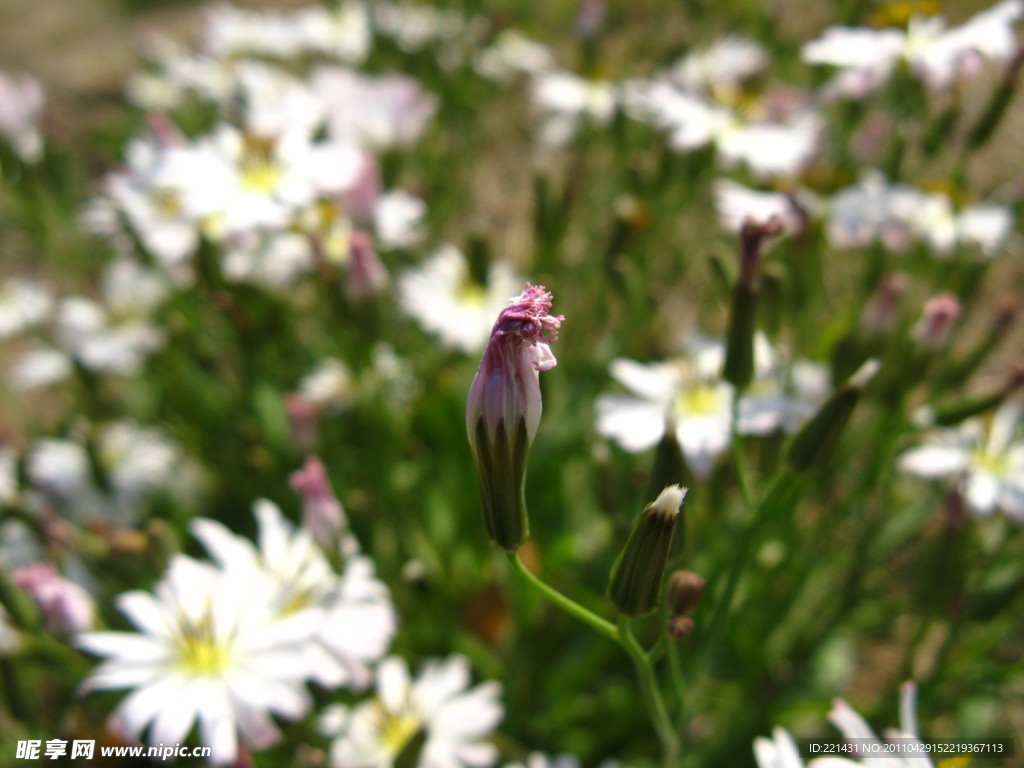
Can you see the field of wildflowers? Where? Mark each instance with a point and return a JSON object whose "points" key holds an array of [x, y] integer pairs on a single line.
{"points": [[279, 472]]}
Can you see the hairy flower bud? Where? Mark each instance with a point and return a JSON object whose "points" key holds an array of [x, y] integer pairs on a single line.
{"points": [[636, 575], [503, 410]]}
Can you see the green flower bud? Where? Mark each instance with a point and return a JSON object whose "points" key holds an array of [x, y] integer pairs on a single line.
{"points": [[813, 444], [637, 574]]}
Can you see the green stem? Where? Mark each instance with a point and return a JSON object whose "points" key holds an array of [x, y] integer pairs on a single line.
{"points": [[567, 604], [652, 695], [776, 492], [736, 444]]}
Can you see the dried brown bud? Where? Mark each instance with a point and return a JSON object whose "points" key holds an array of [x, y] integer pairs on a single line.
{"points": [[684, 591], [679, 626]]}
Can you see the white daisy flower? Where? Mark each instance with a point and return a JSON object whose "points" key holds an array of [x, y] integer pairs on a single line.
{"points": [[23, 304], [513, 53], [737, 203], [937, 55], [443, 297], [726, 63], [353, 619], [136, 461], [234, 181], [988, 464], [398, 219], [689, 397], [768, 147], [328, 385], [209, 647], [342, 32], [566, 100], [781, 750], [380, 112], [436, 714], [228, 31]]}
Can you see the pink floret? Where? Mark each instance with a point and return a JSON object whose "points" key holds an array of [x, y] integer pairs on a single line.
{"points": [[527, 316]]}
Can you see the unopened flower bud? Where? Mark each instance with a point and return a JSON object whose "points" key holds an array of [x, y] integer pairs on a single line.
{"points": [[503, 410], [881, 312], [739, 354], [818, 437], [637, 574], [684, 591], [66, 607], [680, 626], [366, 273], [322, 513], [933, 330], [303, 415]]}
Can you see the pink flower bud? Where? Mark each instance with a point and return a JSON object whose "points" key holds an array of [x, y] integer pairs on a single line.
{"points": [[303, 415], [322, 513], [360, 200], [66, 607], [933, 330], [882, 310], [504, 406], [366, 274]]}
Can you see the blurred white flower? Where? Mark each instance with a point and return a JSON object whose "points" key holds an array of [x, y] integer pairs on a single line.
{"points": [[134, 461], [23, 304], [937, 55], [209, 647], [115, 336], [689, 397], [398, 219], [566, 100], [668, 396], [436, 712], [352, 621], [872, 210], [540, 760], [988, 464], [445, 299], [234, 181], [934, 220], [229, 30], [737, 203], [155, 214], [274, 259], [341, 31], [415, 25], [21, 105], [513, 53], [726, 63], [380, 112], [769, 147], [66, 607], [328, 385], [781, 751], [897, 214]]}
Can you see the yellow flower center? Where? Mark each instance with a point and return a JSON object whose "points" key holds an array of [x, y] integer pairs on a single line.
{"points": [[699, 400], [199, 652], [260, 171], [899, 14], [471, 292], [994, 463], [397, 729]]}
